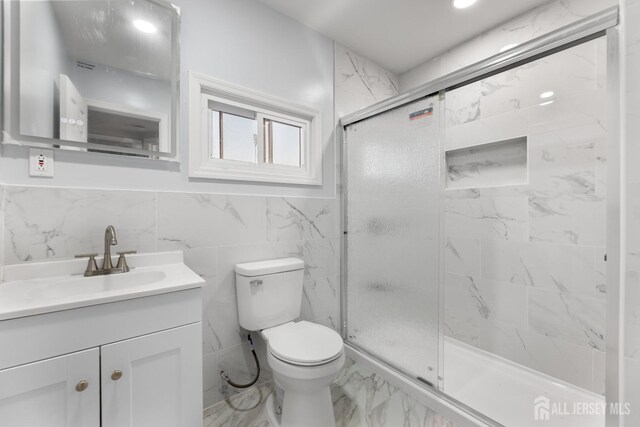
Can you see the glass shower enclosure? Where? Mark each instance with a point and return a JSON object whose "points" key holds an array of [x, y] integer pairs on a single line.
{"points": [[475, 233], [394, 232]]}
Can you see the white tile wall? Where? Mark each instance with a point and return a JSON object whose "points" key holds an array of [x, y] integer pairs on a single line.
{"points": [[300, 219], [197, 220], [564, 268], [488, 218], [473, 299], [575, 319], [631, 106], [525, 269], [359, 82], [49, 223], [462, 255], [214, 231]]}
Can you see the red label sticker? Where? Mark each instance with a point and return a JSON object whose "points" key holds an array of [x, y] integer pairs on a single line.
{"points": [[421, 114]]}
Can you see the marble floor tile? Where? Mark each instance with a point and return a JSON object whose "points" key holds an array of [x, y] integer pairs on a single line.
{"points": [[241, 410], [360, 399], [402, 410]]}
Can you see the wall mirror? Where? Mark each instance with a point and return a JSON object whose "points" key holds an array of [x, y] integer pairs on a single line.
{"points": [[97, 76]]}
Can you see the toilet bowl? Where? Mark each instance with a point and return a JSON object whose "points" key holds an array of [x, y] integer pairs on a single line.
{"points": [[305, 357]]}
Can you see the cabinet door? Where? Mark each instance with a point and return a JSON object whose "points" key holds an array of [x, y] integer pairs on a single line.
{"points": [[154, 380], [49, 393]]}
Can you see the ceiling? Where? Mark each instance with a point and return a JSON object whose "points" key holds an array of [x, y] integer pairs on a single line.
{"points": [[400, 34], [103, 32]]}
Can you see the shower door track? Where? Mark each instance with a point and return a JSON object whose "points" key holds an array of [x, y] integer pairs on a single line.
{"points": [[603, 23]]}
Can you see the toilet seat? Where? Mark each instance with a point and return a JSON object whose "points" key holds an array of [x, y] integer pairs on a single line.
{"points": [[304, 343]]}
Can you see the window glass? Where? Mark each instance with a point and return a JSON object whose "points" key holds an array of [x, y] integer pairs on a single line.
{"points": [[282, 144], [239, 138], [233, 137]]}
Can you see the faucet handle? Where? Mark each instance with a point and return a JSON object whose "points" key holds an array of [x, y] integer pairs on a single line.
{"points": [[126, 252], [92, 265], [122, 262], [92, 255]]}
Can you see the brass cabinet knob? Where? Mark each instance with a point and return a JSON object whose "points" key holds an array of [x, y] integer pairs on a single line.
{"points": [[116, 375], [82, 385]]}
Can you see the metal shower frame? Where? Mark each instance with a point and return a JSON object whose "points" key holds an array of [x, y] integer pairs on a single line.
{"points": [[604, 23]]}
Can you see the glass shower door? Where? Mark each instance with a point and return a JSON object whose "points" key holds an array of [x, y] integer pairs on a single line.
{"points": [[393, 233]]}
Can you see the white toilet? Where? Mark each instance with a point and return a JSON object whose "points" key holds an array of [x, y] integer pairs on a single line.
{"points": [[305, 357]]}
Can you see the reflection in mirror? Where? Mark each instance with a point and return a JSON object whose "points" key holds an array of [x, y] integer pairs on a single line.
{"points": [[98, 72]]}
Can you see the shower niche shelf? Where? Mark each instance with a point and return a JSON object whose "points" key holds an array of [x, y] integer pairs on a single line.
{"points": [[491, 164]]}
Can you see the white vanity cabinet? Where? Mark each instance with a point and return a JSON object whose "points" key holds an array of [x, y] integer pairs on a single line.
{"points": [[153, 380], [58, 392], [131, 358]]}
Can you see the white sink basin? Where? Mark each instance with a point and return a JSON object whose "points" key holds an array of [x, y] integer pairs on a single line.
{"points": [[37, 288], [67, 287]]}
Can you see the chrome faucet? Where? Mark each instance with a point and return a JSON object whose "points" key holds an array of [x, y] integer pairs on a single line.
{"points": [[110, 239]]}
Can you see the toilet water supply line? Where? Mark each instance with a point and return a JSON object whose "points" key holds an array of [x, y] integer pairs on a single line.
{"points": [[255, 357]]}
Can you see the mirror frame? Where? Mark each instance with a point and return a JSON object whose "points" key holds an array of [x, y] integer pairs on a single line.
{"points": [[11, 90]]}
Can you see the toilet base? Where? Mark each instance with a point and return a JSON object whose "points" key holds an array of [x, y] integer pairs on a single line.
{"points": [[302, 410], [308, 410], [274, 419], [307, 397]]}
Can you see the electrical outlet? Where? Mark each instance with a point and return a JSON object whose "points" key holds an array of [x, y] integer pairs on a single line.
{"points": [[40, 162]]}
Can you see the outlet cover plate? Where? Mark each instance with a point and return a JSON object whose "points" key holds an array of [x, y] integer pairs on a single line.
{"points": [[41, 163]]}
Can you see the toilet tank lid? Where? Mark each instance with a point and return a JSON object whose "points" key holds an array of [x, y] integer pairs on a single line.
{"points": [[272, 266]]}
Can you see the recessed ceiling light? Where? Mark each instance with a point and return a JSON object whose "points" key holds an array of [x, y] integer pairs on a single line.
{"points": [[145, 26], [545, 95], [463, 4], [547, 103], [507, 47]]}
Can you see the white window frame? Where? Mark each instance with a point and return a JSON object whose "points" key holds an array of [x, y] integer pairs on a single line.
{"points": [[203, 89]]}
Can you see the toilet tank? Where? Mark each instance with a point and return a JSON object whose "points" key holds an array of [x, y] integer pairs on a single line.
{"points": [[269, 293]]}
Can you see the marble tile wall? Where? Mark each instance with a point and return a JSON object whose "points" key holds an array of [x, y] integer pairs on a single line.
{"points": [[539, 21], [631, 107], [525, 269], [359, 83], [214, 231]]}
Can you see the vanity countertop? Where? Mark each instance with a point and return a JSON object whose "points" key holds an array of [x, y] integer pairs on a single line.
{"points": [[44, 287]]}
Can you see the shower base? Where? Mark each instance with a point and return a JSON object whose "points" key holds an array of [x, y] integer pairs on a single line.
{"points": [[506, 391], [495, 387]]}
